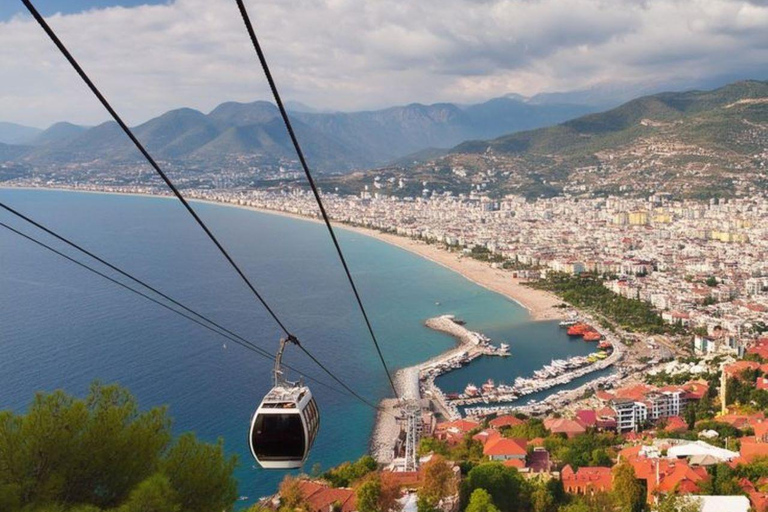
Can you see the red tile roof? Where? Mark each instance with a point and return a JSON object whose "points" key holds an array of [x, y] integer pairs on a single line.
{"points": [[486, 435], [676, 424], [461, 425], [505, 421], [735, 369], [565, 426], [664, 475], [586, 479], [504, 447], [587, 417], [752, 448], [454, 431], [740, 421], [320, 497]]}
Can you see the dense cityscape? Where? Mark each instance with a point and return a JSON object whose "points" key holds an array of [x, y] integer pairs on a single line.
{"points": [[698, 266], [504, 256]]}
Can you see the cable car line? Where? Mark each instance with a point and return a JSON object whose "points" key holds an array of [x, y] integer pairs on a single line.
{"points": [[286, 423], [63, 49], [233, 336], [313, 186], [228, 334], [52, 35]]}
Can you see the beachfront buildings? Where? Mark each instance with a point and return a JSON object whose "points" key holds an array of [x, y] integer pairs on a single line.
{"points": [[639, 405], [700, 263]]}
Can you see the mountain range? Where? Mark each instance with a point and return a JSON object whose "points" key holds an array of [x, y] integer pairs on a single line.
{"points": [[332, 141], [694, 143]]}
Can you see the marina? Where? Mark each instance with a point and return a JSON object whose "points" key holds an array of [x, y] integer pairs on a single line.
{"points": [[474, 398]]}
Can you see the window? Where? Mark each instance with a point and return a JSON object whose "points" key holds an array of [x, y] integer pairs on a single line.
{"points": [[278, 437]]}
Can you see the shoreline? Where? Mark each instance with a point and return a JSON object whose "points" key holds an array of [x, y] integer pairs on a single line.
{"points": [[540, 305]]}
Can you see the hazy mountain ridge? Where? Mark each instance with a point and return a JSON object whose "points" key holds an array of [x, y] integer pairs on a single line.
{"points": [[695, 143], [12, 133], [332, 141]]}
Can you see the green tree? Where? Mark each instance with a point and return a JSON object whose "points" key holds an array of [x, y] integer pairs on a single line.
{"points": [[600, 457], [628, 493], [432, 445], [155, 494], [542, 500], [505, 485], [425, 504], [103, 452], [481, 501], [690, 416], [555, 488], [723, 480], [201, 473], [598, 502], [349, 472], [368, 495], [576, 506]]}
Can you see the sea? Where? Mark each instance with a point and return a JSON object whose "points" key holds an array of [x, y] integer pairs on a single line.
{"points": [[64, 328]]}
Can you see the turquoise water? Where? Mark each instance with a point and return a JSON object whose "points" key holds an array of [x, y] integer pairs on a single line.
{"points": [[63, 327]]}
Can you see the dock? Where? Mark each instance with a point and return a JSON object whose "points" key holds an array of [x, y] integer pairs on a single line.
{"points": [[470, 346]]}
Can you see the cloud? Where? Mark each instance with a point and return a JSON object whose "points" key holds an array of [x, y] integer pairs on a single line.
{"points": [[352, 54]]}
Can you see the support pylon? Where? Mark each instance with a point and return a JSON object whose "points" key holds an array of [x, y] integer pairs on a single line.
{"points": [[412, 435]]}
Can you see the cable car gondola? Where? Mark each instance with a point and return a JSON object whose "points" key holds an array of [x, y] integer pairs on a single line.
{"points": [[285, 425]]}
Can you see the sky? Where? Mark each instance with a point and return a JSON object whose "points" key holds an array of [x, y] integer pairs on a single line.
{"points": [[150, 57]]}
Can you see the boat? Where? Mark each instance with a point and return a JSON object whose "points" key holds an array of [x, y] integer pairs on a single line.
{"points": [[489, 386], [471, 390], [578, 329], [603, 345], [568, 323], [504, 349], [592, 336]]}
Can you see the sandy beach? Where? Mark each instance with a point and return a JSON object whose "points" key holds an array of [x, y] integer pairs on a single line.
{"points": [[541, 305]]}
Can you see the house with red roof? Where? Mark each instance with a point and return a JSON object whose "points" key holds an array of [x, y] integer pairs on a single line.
{"points": [[758, 499], [761, 430], [752, 448], [504, 449], [760, 348], [740, 421], [663, 475], [485, 435], [586, 480], [505, 421], [322, 497], [454, 431], [586, 418], [676, 424], [571, 428], [735, 369]]}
